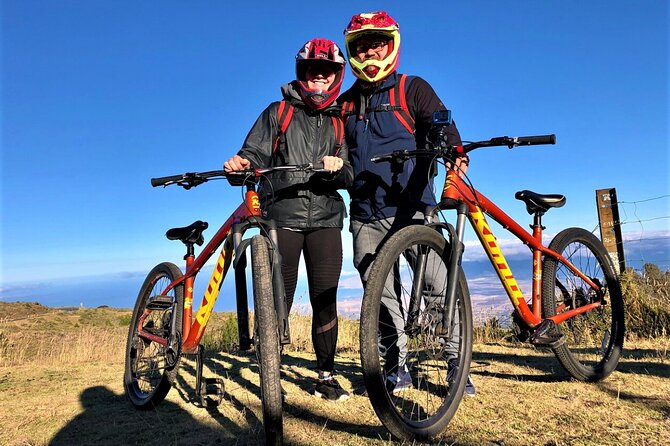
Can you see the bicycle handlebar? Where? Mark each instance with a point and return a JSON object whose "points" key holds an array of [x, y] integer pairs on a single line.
{"points": [[510, 142], [191, 179], [449, 152]]}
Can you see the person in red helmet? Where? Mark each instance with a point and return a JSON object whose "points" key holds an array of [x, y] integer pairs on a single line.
{"points": [[306, 207], [386, 111]]}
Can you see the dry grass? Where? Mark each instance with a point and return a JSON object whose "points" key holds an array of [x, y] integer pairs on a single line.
{"points": [[52, 394], [31, 333]]}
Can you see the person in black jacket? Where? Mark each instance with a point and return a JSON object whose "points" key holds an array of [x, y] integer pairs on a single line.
{"points": [[387, 111], [307, 208]]}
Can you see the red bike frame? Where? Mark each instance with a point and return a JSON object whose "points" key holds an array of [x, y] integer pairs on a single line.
{"points": [[193, 328], [456, 189]]}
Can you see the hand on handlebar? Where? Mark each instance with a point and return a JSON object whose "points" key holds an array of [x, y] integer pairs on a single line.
{"points": [[332, 163], [236, 163]]}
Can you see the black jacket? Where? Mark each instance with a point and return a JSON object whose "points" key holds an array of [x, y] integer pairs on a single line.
{"points": [[299, 200]]}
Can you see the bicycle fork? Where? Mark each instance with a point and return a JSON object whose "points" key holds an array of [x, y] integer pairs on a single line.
{"points": [[241, 286], [455, 257], [279, 292], [454, 262]]}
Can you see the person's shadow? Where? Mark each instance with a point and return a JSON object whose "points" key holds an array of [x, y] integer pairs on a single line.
{"points": [[109, 419]]}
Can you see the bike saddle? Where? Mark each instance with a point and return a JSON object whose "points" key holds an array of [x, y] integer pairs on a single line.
{"points": [[188, 234], [538, 202]]}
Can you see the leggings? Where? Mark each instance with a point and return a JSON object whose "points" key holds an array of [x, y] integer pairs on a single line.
{"points": [[322, 249]]}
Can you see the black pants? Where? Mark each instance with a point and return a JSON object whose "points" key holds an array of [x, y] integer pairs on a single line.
{"points": [[322, 249]]}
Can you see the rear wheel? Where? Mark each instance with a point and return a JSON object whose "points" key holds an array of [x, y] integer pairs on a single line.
{"points": [[266, 340], [151, 368], [415, 376], [594, 339]]}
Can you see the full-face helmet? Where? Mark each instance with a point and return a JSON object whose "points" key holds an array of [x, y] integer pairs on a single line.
{"points": [[373, 24], [318, 51]]}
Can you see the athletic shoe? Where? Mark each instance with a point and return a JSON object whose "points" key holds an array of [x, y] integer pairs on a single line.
{"points": [[330, 390], [470, 389], [399, 382]]}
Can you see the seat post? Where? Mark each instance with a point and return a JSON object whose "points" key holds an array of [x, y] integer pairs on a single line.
{"points": [[536, 298], [190, 251], [537, 220]]}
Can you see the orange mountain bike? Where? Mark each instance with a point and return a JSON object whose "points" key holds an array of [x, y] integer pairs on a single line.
{"points": [[416, 315], [163, 326]]}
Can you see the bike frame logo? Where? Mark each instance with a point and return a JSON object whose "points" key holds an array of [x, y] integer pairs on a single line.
{"points": [[496, 256], [254, 203]]}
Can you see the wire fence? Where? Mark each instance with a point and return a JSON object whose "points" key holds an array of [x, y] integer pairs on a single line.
{"points": [[642, 245]]}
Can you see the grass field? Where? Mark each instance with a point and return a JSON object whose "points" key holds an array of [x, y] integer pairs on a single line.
{"points": [[61, 384]]}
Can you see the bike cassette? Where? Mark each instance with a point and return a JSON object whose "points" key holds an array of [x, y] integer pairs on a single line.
{"points": [[211, 392]]}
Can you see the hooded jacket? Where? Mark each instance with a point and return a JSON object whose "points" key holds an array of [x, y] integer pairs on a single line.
{"points": [[299, 200]]}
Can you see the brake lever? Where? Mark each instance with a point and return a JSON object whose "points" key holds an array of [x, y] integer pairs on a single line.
{"points": [[190, 180]]}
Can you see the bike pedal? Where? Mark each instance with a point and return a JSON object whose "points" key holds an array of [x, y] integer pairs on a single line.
{"points": [[211, 392], [159, 303], [547, 334]]}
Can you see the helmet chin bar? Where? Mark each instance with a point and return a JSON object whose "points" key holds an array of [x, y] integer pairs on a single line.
{"points": [[371, 70], [384, 67]]}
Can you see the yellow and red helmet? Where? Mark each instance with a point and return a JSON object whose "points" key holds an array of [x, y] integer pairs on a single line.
{"points": [[319, 50], [375, 23]]}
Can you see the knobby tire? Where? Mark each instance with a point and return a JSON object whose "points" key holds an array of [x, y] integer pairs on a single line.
{"points": [[266, 340], [424, 410], [149, 373], [593, 340]]}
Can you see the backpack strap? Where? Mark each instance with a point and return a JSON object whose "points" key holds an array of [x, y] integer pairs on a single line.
{"points": [[284, 115], [347, 109], [338, 126], [398, 104]]}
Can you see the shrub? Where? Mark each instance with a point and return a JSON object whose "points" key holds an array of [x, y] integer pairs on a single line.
{"points": [[222, 336], [647, 301]]}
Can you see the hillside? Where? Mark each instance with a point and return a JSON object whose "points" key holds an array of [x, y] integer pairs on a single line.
{"points": [[57, 393]]}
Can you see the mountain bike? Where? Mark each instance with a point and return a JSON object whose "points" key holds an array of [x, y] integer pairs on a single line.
{"points": [[163, 327], [425, 326]]}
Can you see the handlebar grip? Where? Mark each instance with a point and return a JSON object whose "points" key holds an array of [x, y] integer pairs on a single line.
{"points": [[536, 140], [162, 181], [318, 168]]}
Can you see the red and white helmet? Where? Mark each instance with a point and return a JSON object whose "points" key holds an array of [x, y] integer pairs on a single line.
{"points": [[319, 50], [377, 23]]}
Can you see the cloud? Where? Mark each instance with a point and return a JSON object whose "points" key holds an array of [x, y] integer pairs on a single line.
{"points": [[350, 280], [23, 291], [511, 248]]}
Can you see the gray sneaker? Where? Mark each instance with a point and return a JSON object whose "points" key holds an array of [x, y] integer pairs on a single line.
{"points": [[401, 381], [470, 389]]}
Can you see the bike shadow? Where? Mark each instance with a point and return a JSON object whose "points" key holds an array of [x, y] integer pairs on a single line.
{"points": [[636, 361], [110, 419], [633, 361], [546, 363], [235, 367]]}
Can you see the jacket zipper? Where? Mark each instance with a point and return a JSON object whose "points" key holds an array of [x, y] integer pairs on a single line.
{"points": [[315, 151]]}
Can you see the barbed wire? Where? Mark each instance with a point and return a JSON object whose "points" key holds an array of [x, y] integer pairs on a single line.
{"points": [[644, 239], [645, 200], [627, 222], [637, 220], [639, 259]]}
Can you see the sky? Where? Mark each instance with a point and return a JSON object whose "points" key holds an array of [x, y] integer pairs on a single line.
{"points": [[99, 96]]}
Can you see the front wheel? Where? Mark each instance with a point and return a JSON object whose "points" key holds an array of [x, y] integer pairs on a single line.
{"points": [[266, 340], [151, 368], [593, 340], [414, 374]]}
